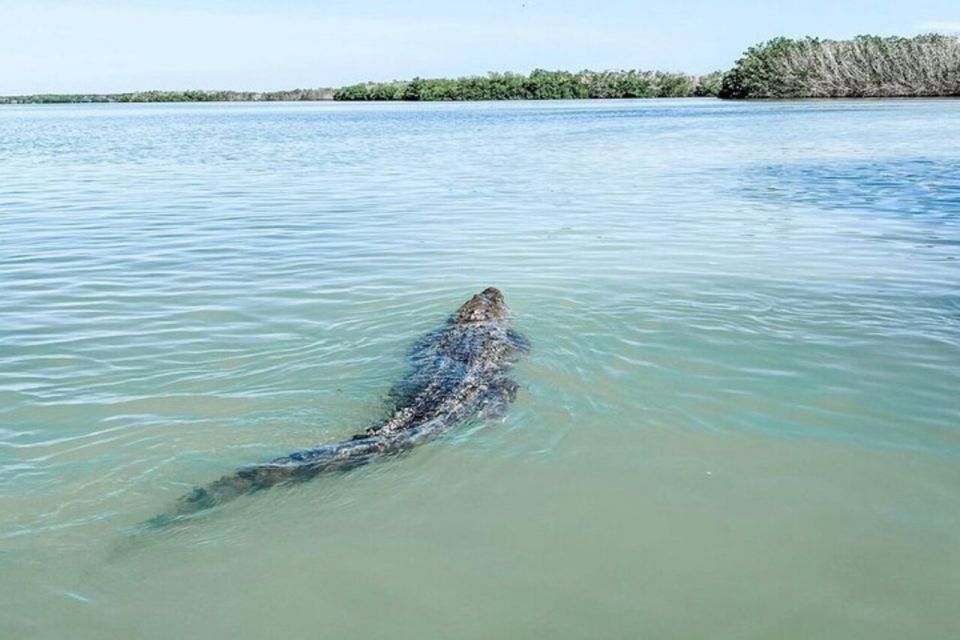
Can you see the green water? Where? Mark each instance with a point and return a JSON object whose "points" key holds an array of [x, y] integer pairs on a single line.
{"points": [[740, 417]]}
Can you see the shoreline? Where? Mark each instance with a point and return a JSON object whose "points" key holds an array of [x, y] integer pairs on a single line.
{"points": [[4, 102]]}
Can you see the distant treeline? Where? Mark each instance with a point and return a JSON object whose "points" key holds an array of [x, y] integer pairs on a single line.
{"points": [[865, 67], [174, 96], [539, 85]]}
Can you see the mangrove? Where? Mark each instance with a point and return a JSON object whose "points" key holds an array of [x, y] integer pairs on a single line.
{"points": [[864, 67], [540, 84]]}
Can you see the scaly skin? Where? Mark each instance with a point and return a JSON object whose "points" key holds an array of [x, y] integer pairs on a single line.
{"points": [[459, 372]]}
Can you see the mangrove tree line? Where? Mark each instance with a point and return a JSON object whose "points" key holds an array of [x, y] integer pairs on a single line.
{"points": [[864, 67], [172, 96], [540, 84]]}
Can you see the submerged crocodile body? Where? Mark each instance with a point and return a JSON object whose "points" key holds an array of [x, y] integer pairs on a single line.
{"points": [[460, 372]]}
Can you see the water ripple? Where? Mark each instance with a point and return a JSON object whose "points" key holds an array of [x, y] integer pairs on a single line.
{"points": [[747, 305]]}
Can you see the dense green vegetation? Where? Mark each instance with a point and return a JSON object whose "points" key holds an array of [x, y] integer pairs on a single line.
{"points": [[867, 66], [539, 85], [174, 96]]}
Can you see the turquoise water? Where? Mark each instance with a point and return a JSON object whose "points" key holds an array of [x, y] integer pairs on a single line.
{"points": [[740, 417]]}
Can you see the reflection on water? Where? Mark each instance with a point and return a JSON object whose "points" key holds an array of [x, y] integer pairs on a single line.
{"points": [[741, 400]]}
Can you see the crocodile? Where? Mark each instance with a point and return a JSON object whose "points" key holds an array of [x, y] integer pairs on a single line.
{"points": [[460, 372]]}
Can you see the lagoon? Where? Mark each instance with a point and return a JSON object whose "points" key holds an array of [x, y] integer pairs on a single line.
{"points": [[739, 418]]}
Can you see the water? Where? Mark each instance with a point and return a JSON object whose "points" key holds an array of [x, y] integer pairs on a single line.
{"points": [[740, 417]]}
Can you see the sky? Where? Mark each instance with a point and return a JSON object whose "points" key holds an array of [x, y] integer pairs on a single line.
{"points": [[99, 46]]}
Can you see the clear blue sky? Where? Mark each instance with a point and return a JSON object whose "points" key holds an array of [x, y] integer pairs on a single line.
{"points": [[123, 45]]}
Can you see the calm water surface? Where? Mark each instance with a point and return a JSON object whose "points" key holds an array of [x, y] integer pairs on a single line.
{"points": [[740, 418]]}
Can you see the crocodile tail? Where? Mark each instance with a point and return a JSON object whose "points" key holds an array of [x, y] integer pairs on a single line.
{"points": [[224, 490]]}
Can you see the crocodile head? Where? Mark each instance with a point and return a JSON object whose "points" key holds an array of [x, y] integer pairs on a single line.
{"points": [[483, 307]]}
